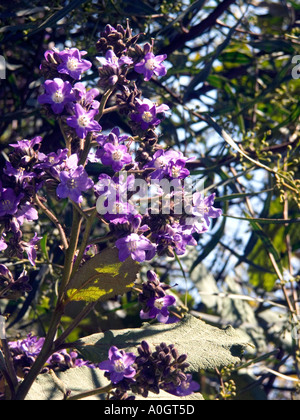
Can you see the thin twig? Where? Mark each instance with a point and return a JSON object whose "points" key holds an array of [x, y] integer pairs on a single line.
{"points": [[97, 391], [53, 219], [59, 342]]}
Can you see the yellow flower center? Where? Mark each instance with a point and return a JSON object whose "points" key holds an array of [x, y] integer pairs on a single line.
{"points": [[72, 183], [6, 204], [150, 64], [83, 121], [159, 304], [132, 246], [119, 366], [147, 116], [72, 64], [117, 155], [58, 97], [175, 172]]}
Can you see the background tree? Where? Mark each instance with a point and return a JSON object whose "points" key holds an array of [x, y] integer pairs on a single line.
{"points": [[233, 86]]}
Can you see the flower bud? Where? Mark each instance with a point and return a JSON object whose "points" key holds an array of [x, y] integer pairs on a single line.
{"points": [[113, 80]]}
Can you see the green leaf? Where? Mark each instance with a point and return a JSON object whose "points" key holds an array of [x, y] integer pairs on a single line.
{"points": [[103, 277], [43, 245], [267, 242], [216, 81], [205, 72], [212, 123], [273, 45], [236, 58], [207, 347]]}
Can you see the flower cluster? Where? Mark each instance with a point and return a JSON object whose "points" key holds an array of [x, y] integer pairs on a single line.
{"points": [[137, 187], [66, 98], [18, 186], [155, 302], [142, 235], [24, 353], [129, 164], [164, 369], [11, 287]]}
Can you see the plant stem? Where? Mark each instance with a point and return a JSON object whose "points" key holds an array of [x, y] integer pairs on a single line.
{"points": [[66, 138], [76, 225], [97, 391], [42, 357], [48, 346], [61, 339], [103, 102], [86, 235], [53, 219], [9, 363], [89, 137]]}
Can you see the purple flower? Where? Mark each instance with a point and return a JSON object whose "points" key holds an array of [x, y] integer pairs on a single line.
{"points": [[28, 212], [139, 248], [113, 204], [8, 201], [72, 63], [151, 65], [30, 248], [146, 112], [73, 183], [62, 360], [71, 162], [186, 387], [19, 173], [114, 137], [5, 272], [119, 365], [202, 212], [111, 60], [25, 147], [119, 213], [25, 352], [50, 55], [177, 169], [83, 121], [158, 308], [31, 346], [114, 155], [3, 245], [170, 163], [58, 94], [155, 301], [87, 98], [116, 188], [52, 161], [173, 238]]}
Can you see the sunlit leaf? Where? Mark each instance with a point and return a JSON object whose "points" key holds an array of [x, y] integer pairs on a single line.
{"points": [[103, 277]]}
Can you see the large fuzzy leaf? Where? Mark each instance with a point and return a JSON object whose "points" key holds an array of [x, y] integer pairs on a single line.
{"points": [[83, 379], [207, 347], [76, 380]]}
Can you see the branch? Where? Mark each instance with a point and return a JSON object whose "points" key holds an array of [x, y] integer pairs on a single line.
{"points": [[197, 30], [53, 219]]}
